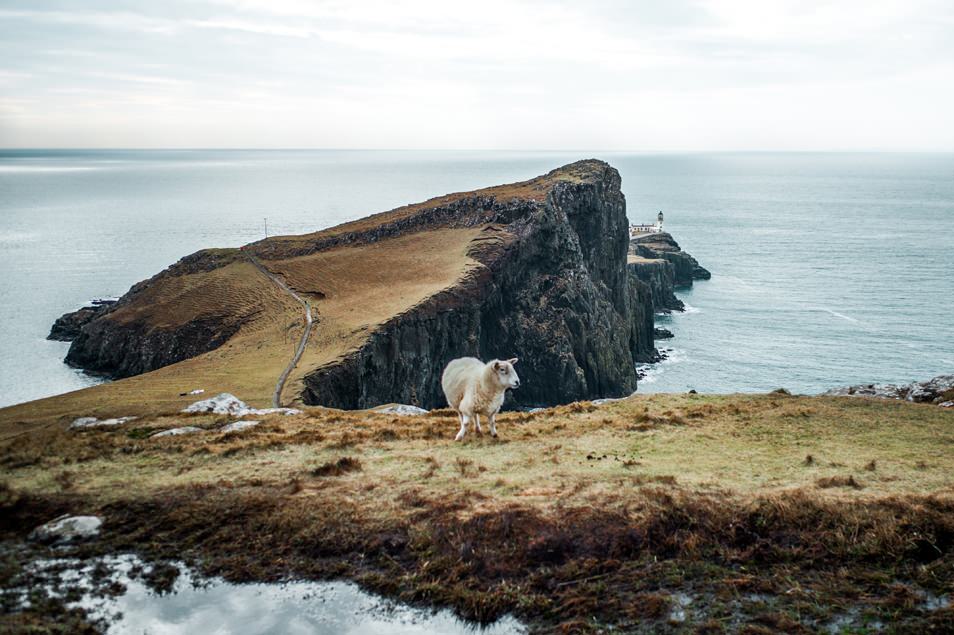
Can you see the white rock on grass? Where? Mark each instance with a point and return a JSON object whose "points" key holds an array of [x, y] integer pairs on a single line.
{"points": [[92, 422], [237, 426], [401, 409], [174, 432], [67, 529], [197, 391], [228, 404]]}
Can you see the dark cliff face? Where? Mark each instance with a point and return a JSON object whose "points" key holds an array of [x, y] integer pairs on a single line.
{"points": [[663, 246], [125, 348], [660, 276], [554, 292], [67, 327], [104, 347]]}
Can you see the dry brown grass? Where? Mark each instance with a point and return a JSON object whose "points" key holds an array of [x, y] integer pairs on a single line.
{"points": [[576, 511]]}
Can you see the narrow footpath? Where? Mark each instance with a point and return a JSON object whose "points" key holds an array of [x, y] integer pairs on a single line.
{"points": [[280, 385]]}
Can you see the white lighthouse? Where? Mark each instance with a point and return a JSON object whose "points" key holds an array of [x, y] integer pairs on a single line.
{"points": [[659, 221]]}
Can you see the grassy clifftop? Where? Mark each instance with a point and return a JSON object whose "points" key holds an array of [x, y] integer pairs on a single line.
{"points": [[666, 512]]}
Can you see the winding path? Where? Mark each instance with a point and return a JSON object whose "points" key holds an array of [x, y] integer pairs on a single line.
{"points": [[280, 385]]}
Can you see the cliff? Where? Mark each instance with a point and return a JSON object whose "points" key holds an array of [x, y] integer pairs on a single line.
{"points": [[536, 270], [662, 246]]}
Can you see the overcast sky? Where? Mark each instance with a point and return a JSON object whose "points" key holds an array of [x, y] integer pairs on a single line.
{"points": [[596, 75]]}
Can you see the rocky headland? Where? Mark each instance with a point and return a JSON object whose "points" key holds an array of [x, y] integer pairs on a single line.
{"points": [[543, 270]]}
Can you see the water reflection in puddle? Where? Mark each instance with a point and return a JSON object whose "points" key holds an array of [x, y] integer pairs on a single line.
{"points": [[212, 605]]}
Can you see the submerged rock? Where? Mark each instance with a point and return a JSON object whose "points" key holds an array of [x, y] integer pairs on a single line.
{"points": [[67, 529], [662, 334]]}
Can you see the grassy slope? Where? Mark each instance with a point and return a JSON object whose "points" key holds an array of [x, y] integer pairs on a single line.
{"points": [[580, 515]]}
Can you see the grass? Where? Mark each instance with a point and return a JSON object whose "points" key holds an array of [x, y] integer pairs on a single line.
{"points": [[577, 518]]}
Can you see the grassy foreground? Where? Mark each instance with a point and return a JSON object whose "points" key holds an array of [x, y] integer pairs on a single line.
{"points": [[686, 513]]}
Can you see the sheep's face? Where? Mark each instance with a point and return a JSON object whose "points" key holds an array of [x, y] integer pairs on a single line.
{"points": [[506, 374]]}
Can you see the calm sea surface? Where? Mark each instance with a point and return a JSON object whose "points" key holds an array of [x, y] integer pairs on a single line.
{"points": [[827, 268]]}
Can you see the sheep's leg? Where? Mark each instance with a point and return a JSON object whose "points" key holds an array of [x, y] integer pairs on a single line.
{"points": [[493, 425], [477, 423], [464, 420]]}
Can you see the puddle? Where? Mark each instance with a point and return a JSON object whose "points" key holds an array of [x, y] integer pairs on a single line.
{"points": [[212, 605]]}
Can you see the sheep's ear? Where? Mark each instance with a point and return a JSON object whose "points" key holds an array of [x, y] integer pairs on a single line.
{"points": [[512, 361], [496, 365]]}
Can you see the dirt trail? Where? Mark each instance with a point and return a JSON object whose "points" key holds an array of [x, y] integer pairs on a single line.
{"points": [[280, 384]]}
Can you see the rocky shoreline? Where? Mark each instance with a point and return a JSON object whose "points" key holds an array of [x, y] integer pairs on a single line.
{"points": [[938, 391]]}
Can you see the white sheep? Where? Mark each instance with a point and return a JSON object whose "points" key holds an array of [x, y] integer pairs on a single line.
{"points": [[474, 388]]}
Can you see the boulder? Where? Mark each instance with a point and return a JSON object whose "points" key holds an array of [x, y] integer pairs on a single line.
{"points": [[228, 404], [401, 409], [174, 432], [237, 426], [67, 529], [93, 422]]}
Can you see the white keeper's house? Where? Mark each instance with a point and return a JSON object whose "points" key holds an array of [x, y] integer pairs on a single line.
{"points": [[655, 228]]}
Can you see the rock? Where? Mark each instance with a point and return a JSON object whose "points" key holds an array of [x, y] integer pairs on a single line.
{"points": [[197, 391], [936, 390], [92, 422], [662, 245], [238, 426], [228, 404], [946, 404], [174, 432], [67, 529], [67, 327], [660, 276], [401, 409], [662, 334], [222, 404], [782, 391], [931, 390]]}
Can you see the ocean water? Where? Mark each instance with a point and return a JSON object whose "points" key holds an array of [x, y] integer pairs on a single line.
{"points": [[827, 268]]}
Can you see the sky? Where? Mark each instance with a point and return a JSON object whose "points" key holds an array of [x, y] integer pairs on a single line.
{"points": [[674, 75]]}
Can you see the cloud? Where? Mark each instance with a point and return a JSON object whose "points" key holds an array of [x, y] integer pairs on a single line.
{"points": [[619, 74]]}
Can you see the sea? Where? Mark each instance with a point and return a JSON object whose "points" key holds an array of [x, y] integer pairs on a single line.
{"points": [[827, 268]]}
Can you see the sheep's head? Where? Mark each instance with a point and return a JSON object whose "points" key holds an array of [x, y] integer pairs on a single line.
{"points": [[505, 373]]}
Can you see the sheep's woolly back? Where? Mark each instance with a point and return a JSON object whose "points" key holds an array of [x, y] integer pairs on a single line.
{"points": [[458, 376], [468, 375]]}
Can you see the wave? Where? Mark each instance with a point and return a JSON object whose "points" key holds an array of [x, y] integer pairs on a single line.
{"points": [[689, 309], [840, 315]]}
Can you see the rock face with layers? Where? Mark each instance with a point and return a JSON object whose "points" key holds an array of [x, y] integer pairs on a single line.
{"points": [[535, 270], [662, 246]]}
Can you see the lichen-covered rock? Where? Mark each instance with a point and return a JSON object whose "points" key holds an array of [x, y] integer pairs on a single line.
{"points": [[67, 529], [238, 426], [937, 390], [401, 409], [175, 432], [93, 422], [228, 404]]}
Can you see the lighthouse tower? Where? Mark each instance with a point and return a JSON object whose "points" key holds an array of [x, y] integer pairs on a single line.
{"points": [[659, 221]]}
